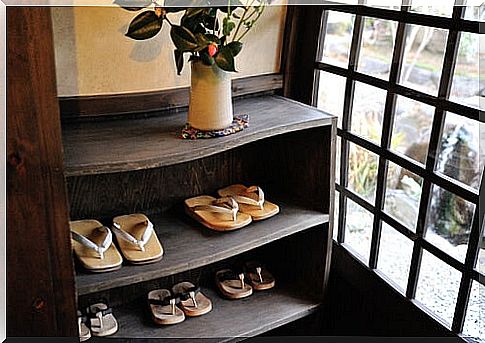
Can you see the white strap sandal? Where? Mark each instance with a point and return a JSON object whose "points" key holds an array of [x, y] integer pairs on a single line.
{"points": [[130, 239], [100, 249]]}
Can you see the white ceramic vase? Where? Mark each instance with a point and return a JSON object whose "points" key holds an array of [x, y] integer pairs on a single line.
{"points": [[210, 106]]}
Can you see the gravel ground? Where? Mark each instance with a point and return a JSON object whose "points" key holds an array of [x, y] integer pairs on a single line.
{"points": [[438, 283]]}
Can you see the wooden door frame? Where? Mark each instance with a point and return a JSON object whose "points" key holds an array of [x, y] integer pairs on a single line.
{"points": [[40, 284]]}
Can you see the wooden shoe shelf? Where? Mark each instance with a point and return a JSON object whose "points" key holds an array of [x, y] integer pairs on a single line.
{"points": [[126, 166]]}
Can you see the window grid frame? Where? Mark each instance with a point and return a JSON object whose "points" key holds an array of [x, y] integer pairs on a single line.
{"points": [[454, 25]]}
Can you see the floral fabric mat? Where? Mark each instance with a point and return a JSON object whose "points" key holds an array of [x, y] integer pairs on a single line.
{"points": [[238, 124]]}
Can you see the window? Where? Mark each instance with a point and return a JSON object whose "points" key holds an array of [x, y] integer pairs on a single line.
{"points": [[404, 83]]}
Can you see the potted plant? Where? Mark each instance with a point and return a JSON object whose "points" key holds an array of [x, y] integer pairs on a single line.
{"points": [[211, 35]]}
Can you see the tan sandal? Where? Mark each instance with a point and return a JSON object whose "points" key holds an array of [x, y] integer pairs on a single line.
{"points": [[258, 276], [101, 319], [93, 246], [84, 332], [232, 285], [163, 306], [217, 214], [250, 200], [192, 301], [137, 239]]}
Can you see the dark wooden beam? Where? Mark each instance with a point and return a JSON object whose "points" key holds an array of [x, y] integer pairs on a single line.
{"points": [[40, 283], [103, 106]]}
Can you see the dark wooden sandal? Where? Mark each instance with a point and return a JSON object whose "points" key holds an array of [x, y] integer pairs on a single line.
{"points": [[192, 301], [258, 276], [232, 284], [163, 306]]}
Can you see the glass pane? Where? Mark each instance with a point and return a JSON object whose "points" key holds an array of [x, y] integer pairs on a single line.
{"points": [[395, 255], [367, 111], [449, 222], [336, 46], [443, 9], [475, 315], [466, 84], [423, 58], [475, 12], [403, 194], [338, 151], [459, 156], [377, 47], [358, 229], [438, 286], [412, 128], [335, 214], [362, 172], [331, 94], [480, 264]]}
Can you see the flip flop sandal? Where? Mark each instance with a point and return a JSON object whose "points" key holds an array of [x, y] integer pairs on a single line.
{"points": [[93, 245], [192, 301], [216, 214], [250, 200], [232, 285], [84, 332], [137, 239], [163, 307], [101, 319], [258, 276]]}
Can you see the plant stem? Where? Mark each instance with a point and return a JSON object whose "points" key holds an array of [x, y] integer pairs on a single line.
{"points": [[243, 17], [247, 30]]}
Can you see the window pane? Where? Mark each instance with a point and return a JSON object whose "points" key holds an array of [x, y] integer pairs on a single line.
{"points": [[459, 156], [449, 222], [362, 172], [403, 194], [466, 85], [476, 13], [480, 264], [475, 314], [377, 47], [423, 58], [438, 286], [367, 111], [443, 9], [338, 37], [395, 253], [358, 229], [412, 128], [335, 213], [331, 94]]}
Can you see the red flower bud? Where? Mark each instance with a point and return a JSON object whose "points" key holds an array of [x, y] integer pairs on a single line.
{"points": [[212, 49]]}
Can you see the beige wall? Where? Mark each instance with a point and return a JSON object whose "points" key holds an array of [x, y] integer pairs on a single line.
{"points": [[94, 57]]}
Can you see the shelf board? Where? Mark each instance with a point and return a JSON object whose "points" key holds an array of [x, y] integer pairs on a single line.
{"points": [[133, 144], [188, 245], [229, 320]]}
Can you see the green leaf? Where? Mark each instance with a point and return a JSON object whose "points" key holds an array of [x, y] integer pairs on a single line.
{"points": [[183, 39], [227, 26], [206, 58], [179, 60], [225, 59], [144, 26], [235, 48], [213, 38], [133, 5]]}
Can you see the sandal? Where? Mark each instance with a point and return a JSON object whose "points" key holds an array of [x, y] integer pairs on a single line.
{"points": [[258, 276], [163, 307], [137, 239], [216, 214], [232, 285], [84, 332], [93, 245], [251, 201], [192, 301], [101, 319]]}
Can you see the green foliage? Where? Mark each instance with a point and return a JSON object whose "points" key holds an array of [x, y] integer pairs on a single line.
{"points": [[199, 27]]}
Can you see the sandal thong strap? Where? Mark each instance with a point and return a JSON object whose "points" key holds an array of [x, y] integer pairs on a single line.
{"points": [[100, 249], [187, 293], [130, 239], [243, 197], [170, 300], [228, 276], [96, 318], [225, 205]]}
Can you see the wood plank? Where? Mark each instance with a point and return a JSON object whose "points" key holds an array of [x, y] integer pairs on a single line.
{"points": [[230, 320], [102, 106], [125, 145], [40, 283], [189, 245]]}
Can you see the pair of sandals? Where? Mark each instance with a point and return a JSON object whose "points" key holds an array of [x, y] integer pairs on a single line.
{"points": [[237, 285], [92, 242], [97, 321], [171, 307], [237, 207]]}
